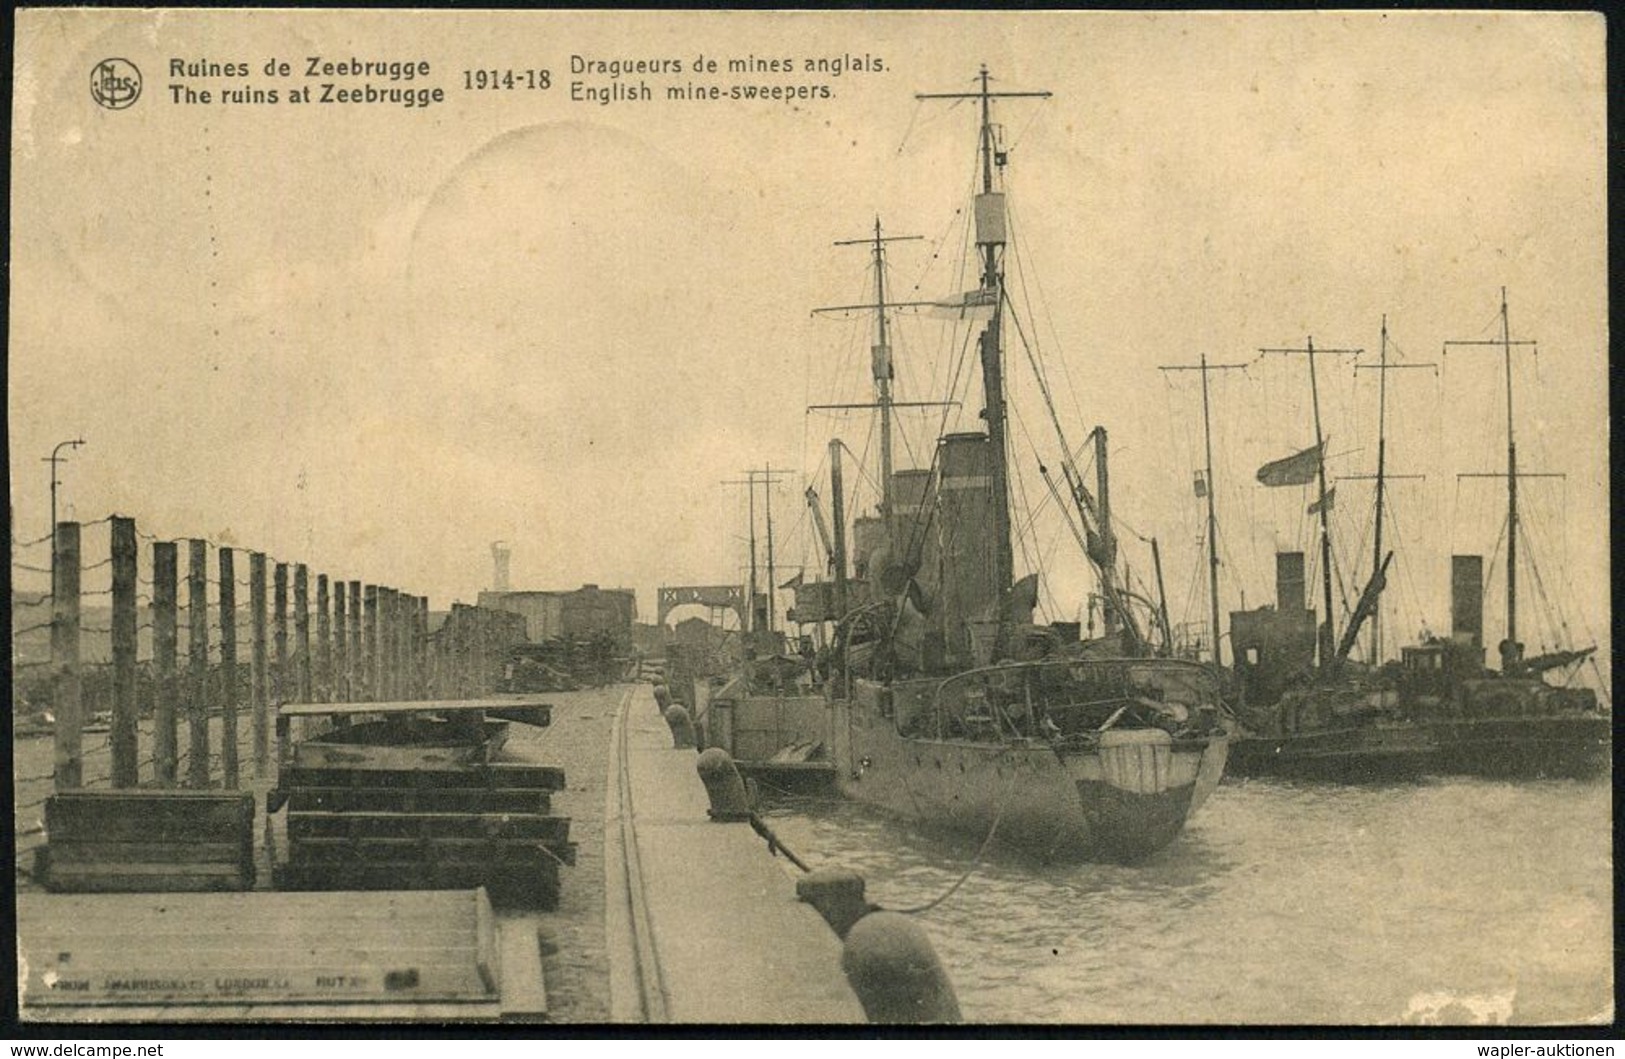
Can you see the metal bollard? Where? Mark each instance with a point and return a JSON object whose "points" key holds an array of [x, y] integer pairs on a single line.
{"points": [[837, 893], [682, 728], [893, 969], [729, 800]]}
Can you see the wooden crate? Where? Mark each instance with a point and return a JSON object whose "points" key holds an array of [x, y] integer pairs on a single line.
{"points": [[133, 841]]}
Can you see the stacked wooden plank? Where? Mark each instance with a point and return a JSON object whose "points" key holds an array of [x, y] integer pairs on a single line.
{"points": [[124, 841], [426, 828]]}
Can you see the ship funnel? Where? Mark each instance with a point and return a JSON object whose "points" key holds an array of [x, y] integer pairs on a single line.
{"points": [[1289, 597], [965, 488], [912, 502], [868, 534], [1467, 599]]}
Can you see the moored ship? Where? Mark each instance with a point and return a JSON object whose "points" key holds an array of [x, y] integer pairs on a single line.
{"points": [[950, 706], [1439, 708]]}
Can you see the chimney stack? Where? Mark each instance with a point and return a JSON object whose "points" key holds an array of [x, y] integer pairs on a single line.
{"points": [[1289, 598], [1467, 599]]}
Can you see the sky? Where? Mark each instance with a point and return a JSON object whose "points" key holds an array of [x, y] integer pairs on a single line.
{"points": [[376, 339]]}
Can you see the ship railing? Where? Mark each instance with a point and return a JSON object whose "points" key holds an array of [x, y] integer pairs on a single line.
{"points": [[1061, 698]]}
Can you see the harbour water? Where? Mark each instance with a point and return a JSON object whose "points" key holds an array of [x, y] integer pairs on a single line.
{"points": [[1449, 901]]}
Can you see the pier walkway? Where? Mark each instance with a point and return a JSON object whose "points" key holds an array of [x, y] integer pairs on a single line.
{"points": [[702, 923], [665, 917]]}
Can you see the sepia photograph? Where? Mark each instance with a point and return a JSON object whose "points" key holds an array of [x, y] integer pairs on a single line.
{"points": [[799, 518]]}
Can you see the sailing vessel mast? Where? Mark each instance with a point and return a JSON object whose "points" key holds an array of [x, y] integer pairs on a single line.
{"points": [[1382, 476], [1511, 649], [1212, 518], [772, 577], [990, 238], [1382, 453], [767, 476]]}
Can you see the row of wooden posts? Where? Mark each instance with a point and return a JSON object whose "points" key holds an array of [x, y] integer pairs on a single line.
{"points": [[371, 644]]}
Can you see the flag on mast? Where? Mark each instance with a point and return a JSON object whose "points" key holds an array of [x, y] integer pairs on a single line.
{"points": [[1299, 468], [1330, 502], [971, 305]]}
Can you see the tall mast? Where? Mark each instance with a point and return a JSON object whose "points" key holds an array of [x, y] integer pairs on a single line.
{"points": [[1212, 517], [881, 360], [772, 578], [1382, 477], [1506, 342], [1382, 453], [991, 242], [1325, 527], [1512, 484], [750, 607], [990, 237], [1326, 638], [769, 476], [1108, 538], [1212, 520]]}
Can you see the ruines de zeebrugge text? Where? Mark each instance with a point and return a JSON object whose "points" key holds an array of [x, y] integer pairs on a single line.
{"points": [[318, 79]]}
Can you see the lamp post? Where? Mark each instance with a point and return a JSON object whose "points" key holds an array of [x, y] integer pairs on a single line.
{"points": [[54, 459]]}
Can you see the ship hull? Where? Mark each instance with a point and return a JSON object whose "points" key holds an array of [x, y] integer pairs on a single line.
{"points": [[1515, 747], [1121, 802]]}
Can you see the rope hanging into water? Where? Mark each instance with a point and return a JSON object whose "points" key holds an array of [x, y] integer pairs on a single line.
{"points": [[976, 862]]}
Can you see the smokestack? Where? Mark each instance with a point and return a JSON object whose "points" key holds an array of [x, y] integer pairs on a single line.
{"points": [[868, 534], [1467, 599], [1289, 597], [968, 561], [499, 562], [912, 502]]}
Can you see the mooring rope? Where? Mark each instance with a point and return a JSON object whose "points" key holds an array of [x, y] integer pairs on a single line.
{"points": [[976, 861], [775, 845]]}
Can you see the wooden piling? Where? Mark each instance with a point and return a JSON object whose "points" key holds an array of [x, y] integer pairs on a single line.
{"points": [[197, 650], [479, 654], [403, 646], [122, 740], [258, 676], [228, 668], [457, 622], [386, 644], [69, 770], [420, 619], [324, 643], [357, 687], [341, 644], [165, 565], [301, 630], [370, 635], [281, 676]]}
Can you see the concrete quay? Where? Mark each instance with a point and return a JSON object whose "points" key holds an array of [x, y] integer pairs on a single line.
{"points": [[702, 924], [666, 917]]}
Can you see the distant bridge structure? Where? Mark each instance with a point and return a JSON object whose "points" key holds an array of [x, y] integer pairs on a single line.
{"points": [[725, 597]]}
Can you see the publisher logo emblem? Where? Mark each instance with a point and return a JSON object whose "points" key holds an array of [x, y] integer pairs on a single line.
{"points": [[115, 83]]}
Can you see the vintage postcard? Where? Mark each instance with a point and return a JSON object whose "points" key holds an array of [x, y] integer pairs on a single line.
{"points": [[1087, 518]]}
